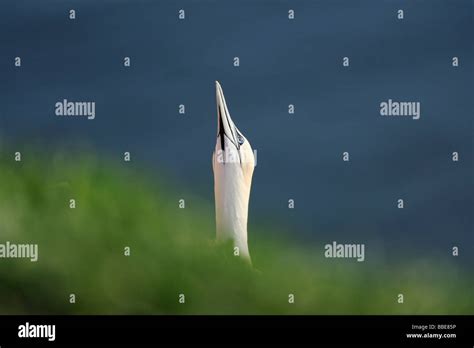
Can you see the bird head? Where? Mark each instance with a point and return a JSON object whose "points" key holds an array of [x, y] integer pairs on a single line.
{"points": [[232, 147]]}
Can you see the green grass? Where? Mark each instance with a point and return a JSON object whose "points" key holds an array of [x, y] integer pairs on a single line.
{"points": [[81, 251]]}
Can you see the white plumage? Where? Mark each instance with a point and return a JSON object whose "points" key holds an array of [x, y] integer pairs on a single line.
{"points": [[233, 163]]}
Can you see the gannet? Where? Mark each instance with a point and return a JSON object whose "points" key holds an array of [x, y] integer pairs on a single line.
{"points": [[233, 163]]}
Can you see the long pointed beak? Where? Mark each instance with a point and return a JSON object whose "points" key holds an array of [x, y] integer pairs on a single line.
{"points": [[225, 126]]}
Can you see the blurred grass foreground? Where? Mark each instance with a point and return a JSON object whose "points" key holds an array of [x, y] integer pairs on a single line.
{"points": [[82, 252]]}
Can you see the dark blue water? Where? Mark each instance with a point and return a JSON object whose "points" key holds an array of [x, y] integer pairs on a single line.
{"points": [[281, 62]]}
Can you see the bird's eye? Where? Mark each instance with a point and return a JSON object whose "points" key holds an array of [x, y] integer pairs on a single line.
{"points": [[240, 139]]}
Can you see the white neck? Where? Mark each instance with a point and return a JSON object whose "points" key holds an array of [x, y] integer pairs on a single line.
{"points": [[232, 198]]}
